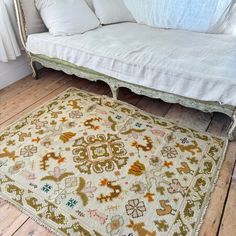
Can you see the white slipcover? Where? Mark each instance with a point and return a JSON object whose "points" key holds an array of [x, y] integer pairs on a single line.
{"points": [[194, 65]]}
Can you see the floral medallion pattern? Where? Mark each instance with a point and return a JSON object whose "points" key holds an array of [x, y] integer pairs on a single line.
{"points": [[86, 165], [99, 153]]}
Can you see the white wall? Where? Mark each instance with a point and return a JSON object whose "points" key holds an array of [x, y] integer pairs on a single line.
{"points": [[12, 71]]}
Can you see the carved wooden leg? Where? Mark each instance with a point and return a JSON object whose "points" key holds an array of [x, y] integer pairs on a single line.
{"points": [[34, 69], [232, 129], [115, 91]]}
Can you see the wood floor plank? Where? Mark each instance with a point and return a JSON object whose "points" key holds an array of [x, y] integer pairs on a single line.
{"points": [[98, 87], [27, 83], [234, 174], [29, 96], [46, 82], [127, 96], [153, 106], [228, 224], [11, 219], [2, 202], [189, 117], [31, 228], [219, 125], [19, 85]]}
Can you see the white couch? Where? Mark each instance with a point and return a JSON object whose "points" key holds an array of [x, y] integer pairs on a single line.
{"points": [[194, 69]]}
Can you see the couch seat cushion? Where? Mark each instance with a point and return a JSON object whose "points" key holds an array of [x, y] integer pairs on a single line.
{"points": [[195, 65]]}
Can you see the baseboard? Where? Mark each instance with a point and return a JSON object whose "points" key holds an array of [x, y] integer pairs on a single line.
{"points": [[13, 71]]}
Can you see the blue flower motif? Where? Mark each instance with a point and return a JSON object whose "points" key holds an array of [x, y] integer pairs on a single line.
{"points": [[71, 203], [46, 188]]}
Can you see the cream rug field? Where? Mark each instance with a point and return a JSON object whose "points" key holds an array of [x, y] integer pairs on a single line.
{"points": [[85, 164]]}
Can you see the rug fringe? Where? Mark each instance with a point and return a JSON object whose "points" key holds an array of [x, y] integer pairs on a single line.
{"points": [[36, 219]]}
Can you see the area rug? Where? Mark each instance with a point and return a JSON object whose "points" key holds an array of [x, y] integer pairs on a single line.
{"points": [[85, 164]]}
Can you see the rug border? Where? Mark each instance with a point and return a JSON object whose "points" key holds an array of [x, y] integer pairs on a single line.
{"points": [[28, 214], [207, 200]]}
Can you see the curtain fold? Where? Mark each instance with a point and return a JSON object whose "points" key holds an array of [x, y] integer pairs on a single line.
{"points": [[9, 47]]}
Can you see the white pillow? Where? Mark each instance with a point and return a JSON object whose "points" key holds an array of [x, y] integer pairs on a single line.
{"points": [[67, 17], [112, 11]]}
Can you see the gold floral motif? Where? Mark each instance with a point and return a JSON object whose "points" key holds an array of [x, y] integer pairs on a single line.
{"points": [[137, 168], [9, 154], [99, 153], [65, 137], [140, 229], [139, 187]]}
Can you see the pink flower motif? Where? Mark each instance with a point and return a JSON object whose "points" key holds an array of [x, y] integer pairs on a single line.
{"points": [[101, 112], [89, 189], [39, 124], [134, 135], [107, 123], [114, 227], [57, 172], [158, 132]]}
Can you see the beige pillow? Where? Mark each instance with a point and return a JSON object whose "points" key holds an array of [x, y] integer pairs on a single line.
{"points": [[34, 23], [112, 11]]}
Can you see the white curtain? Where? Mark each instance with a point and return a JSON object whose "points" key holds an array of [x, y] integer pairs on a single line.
{"points": [[9, 47]]}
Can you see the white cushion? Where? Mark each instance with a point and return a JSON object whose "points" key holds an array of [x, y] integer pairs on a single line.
{"points": [[66, 17], [33, 21], [195, 65], [112, 11]]}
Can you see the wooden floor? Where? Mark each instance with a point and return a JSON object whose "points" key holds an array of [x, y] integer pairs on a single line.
{"points": [[26, 94]]}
